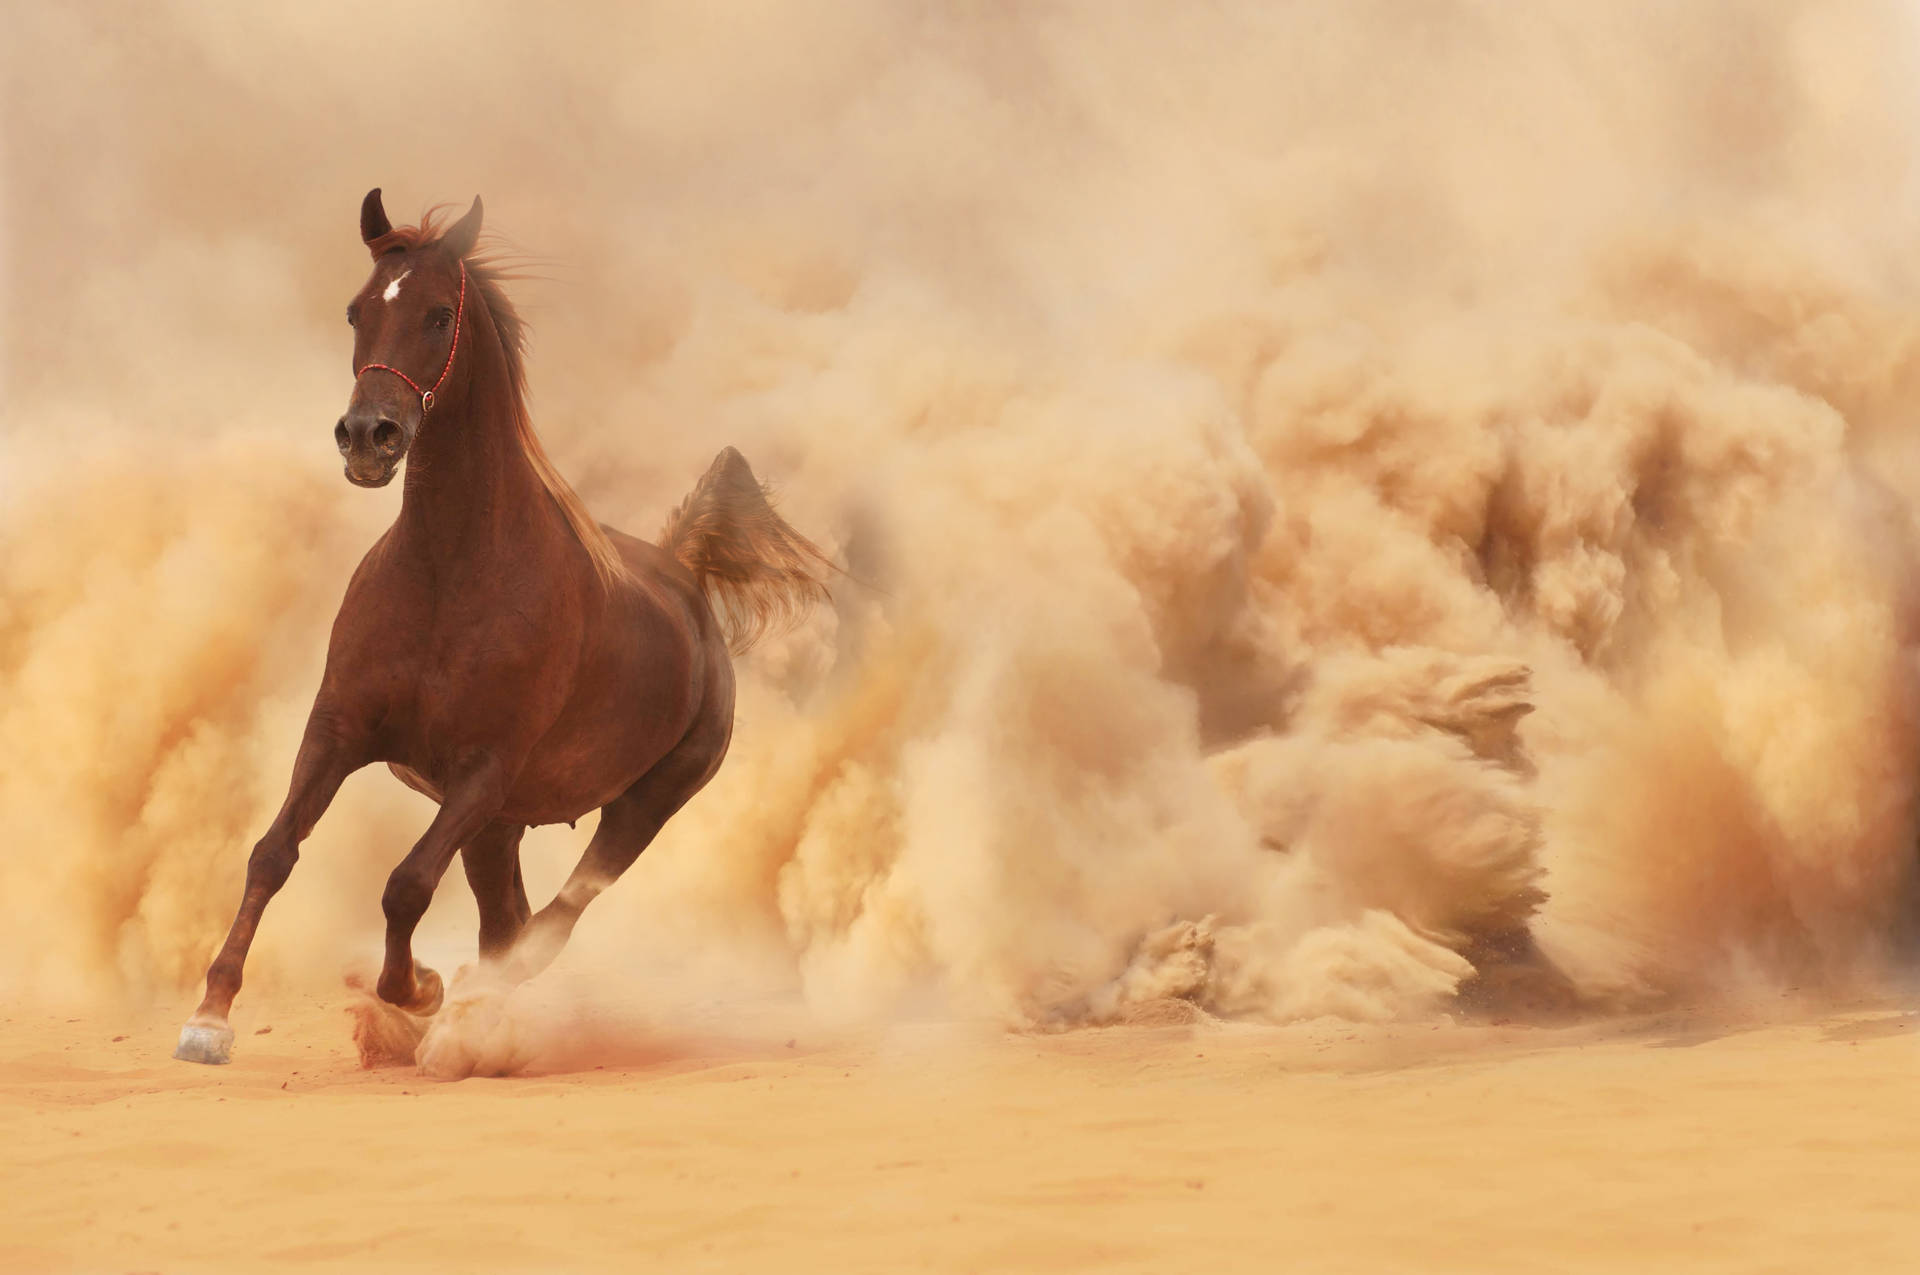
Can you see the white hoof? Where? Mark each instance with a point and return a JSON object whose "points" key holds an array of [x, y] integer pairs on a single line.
{"points": [[210, 1043]]}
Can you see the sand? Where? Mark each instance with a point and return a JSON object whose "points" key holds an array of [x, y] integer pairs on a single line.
{"points": [[1660, 1144], [1234, 417]]}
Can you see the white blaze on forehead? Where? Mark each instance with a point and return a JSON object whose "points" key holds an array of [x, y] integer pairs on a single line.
{"points": [[393, 289]]}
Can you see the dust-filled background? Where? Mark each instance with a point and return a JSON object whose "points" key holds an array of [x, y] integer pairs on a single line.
{"points": [[1235, 417]]}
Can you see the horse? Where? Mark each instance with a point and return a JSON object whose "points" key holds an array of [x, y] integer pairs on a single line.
{"points": [[502, 652]]}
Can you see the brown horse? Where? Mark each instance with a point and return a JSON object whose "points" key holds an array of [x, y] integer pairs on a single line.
{"points": [[502, 652]]}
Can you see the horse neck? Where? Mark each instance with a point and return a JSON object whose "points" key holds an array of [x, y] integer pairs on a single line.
{"points": [[472, 496]]}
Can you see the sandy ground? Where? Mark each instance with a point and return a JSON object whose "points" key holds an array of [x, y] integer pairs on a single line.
{"points": [[1655, 1145]]}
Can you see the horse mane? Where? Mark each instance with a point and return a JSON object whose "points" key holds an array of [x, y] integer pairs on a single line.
{"points": [[489, 273]]}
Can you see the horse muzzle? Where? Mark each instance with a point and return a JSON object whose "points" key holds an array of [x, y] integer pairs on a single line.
{"points": [[372, 444]]}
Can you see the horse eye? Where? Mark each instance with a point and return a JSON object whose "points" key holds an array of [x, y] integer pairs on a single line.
{"points": [[439, 317]]}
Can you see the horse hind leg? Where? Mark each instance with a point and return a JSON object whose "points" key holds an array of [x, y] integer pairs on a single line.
{"points": [[628, 824], [492, 862]]}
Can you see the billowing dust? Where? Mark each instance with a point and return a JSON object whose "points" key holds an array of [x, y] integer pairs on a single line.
{"points": [[1349, 500]]}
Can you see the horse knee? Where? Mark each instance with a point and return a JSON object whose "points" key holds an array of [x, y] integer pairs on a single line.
{"points": [[271, 862], [406, 897]]}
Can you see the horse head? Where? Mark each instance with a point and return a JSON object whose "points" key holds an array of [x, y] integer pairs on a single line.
{"points": [[406, 322]]}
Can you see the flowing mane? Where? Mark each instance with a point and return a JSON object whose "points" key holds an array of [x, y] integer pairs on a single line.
{"points": [[489, 273]]}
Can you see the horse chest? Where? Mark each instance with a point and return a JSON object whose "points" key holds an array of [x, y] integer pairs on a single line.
{"points": [[461, 683]]}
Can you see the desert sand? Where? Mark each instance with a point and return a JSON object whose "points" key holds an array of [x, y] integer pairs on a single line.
{"points": [[1662, 1143]]}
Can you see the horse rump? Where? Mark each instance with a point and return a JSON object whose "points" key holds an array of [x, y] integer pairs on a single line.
{"points": [[760, 576]]}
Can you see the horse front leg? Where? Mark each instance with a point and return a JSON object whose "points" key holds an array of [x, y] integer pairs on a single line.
{"points": [[323, 763], [469, 805]]}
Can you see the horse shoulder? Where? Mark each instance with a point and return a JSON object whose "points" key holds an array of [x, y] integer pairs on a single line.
{"points": [[369, 665]]}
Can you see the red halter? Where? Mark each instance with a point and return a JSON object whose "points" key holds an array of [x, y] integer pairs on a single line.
{"points": [[426, 396]]}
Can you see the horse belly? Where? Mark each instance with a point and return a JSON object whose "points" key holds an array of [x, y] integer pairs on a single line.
{"points": [[556, 785], [559, 784]]}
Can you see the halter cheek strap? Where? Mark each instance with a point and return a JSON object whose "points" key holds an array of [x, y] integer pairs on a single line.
{"points": [[426, 396]]}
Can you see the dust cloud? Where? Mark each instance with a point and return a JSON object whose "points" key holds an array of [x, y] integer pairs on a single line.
{"points": [[1354, 498]]}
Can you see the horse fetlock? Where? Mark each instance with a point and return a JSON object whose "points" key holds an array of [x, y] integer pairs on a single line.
{"points": [[223, 984], [418, 990], [429, 992]]}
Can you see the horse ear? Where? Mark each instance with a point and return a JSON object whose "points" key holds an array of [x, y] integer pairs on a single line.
{"points": [[463, 234], [373, 217]]}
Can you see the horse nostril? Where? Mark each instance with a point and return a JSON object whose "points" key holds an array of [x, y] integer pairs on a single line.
{"points": [[340, 434], [386, 436]]}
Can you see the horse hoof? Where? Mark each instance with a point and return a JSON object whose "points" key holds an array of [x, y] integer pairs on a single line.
{"points": [[429, 993], [210, 1043]]}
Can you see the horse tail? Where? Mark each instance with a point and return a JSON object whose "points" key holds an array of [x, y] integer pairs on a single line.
{"points": [[759, 574]]}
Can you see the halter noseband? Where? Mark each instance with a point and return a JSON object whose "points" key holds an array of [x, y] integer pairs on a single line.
{"points": [[426, 396]]}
